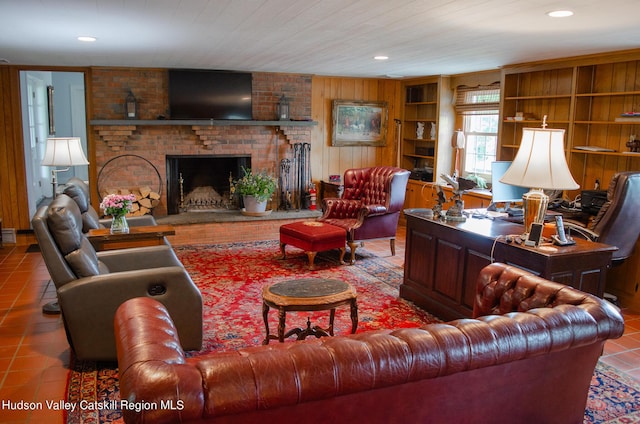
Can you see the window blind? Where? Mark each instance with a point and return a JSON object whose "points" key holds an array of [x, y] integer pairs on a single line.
{"points": [[479, 100]]}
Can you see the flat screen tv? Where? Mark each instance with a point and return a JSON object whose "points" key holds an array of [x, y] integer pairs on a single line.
{"points": [[204, 94]]}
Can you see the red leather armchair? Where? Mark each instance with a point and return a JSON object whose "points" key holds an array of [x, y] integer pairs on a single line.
{"points": [[370, 205]]}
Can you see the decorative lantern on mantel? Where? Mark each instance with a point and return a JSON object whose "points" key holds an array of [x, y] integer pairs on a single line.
{"points": [[130, 106], [283, 109]]}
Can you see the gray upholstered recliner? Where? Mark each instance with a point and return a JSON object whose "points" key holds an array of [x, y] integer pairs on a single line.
{"points": [[90, 286], [78, 190]]}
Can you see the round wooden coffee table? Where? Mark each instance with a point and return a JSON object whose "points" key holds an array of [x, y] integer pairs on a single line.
{"points": [[307, 294]]}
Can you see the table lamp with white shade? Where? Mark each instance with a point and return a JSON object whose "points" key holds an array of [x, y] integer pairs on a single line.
{"points": [[63, 151], [541, 165]]}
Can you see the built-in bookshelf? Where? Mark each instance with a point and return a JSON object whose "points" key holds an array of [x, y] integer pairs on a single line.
{"points": [[426, 101], [595, 99]]}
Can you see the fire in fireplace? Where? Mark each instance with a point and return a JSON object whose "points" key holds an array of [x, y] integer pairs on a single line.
{"points": [[199, 183]]}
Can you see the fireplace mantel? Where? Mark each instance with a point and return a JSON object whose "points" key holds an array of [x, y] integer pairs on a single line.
{"points": [[200, 122], [118, 132]]}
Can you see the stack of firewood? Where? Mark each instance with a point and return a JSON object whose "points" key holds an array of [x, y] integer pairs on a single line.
{"points": [[146, 199]]}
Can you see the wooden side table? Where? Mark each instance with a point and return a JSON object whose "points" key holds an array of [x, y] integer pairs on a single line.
{"points": [[330, 189], [148, 235], [307, 294]]}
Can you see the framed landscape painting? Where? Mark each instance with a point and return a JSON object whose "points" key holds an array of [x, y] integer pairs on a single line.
{"points": [[359, 123]]}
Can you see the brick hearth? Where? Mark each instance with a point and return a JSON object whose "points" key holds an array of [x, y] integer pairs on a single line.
{"points": [[189, 233]]}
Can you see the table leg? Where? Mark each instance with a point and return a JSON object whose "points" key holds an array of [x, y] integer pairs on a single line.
{"points": [[284, 255], [332, 315], [265, 317], [354, 316], [282, 314]]}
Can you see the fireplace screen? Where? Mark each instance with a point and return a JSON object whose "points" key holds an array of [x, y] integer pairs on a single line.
{"points": [[202, 183]]}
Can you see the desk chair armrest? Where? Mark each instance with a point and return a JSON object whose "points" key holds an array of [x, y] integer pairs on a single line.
{"points": [[574, 227]]}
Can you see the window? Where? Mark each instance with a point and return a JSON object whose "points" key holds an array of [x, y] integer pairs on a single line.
{"points": [[479, 107]]}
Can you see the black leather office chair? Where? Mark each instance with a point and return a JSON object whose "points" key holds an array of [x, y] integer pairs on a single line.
{"points": [[617, 222]]}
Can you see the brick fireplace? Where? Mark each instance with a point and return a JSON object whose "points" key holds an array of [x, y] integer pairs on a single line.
{"points": [[155, 141], [260, 146]]}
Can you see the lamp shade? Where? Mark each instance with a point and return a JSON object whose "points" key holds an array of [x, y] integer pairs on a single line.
{"points": [[458, 140], [540, 161], [64, 151]]}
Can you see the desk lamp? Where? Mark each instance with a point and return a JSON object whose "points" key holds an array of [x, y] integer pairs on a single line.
{"points": [[539, 164], [63, 151]]}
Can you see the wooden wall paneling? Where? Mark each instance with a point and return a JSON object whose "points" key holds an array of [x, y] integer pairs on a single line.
{"points": [[4, 137], [318, 133], [335, 160], [15, 209]]}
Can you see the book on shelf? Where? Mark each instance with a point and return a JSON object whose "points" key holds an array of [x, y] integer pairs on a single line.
{"points": [[628, 118]]}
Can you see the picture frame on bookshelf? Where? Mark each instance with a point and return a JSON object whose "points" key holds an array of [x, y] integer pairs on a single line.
{"points": [[359, 123]]}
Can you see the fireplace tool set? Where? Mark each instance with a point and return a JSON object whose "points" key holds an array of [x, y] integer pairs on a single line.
{"points": [[295, 179]]}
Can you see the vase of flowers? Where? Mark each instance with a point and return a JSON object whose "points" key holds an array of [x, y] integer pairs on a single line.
{"points": [[118, 205], [256, 188]]}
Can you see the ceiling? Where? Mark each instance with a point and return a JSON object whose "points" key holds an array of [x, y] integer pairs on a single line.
{"points": [[323, 37]]}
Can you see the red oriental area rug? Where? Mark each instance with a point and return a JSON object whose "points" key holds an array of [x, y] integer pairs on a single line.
{"points": [[231, 278]]}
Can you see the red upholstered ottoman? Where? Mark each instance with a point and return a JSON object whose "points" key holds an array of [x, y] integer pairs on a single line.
{"points": [[313, 237]]}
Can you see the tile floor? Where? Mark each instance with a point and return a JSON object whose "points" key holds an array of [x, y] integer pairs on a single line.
{"points": [[34, 354]]}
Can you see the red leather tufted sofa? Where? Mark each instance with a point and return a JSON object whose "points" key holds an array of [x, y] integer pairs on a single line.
{"points": [[528, 358]]}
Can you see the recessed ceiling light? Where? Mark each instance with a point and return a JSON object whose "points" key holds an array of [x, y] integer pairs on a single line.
{"points": [[87, 39], [560, 13], [381, 57]]}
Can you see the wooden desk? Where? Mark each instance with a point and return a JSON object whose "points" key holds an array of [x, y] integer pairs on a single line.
{"points": [[150, 235], [443, 260]]}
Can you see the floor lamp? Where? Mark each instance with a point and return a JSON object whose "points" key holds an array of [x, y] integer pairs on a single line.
{"points": [[63, 151], [67, 152], [541, 165]]}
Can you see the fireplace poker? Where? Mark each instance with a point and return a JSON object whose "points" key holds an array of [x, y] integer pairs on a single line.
{"points": [[285, 184], [306, 181], [294, 176]]}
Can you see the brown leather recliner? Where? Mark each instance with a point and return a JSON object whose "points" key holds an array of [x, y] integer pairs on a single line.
{"points": [[90, 286], [78, 190], [370, 205]]}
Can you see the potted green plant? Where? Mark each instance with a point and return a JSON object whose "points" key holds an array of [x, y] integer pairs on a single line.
{"points": [[255, 188]]}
